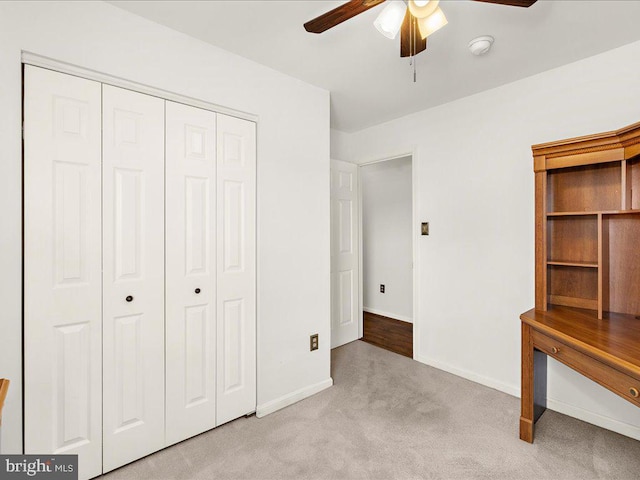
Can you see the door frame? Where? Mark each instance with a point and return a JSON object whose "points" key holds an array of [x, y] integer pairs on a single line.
{"points": [[415, 232], [30, 58]]}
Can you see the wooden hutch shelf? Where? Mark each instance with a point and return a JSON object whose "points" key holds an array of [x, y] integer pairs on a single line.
{"points": [[587, 312]]}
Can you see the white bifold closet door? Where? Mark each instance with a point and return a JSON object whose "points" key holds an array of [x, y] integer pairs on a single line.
{"points": [[109, 206], [236, 268], [62, 268], [133, 275], [191, 271]]}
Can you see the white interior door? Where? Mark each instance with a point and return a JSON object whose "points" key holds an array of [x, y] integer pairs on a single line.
{"points": [[345, 247], [190, 271], [133, 273], [62, 268], [236, 266]]}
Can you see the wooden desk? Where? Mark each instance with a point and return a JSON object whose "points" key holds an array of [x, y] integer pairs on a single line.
{"points": [[607, 351]]}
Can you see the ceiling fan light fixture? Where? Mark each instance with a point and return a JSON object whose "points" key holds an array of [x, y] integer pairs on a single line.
{"points": [[432, 23], [422, 8], [390, 19]]}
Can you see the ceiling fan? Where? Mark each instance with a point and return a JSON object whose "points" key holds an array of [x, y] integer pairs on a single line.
{"points": [[415, 21]]}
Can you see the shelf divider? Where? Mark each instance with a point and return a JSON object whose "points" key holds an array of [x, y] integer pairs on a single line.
{"points": [[625, 191], [594, 212], [562, 263], [541, 272], [601, 279]]}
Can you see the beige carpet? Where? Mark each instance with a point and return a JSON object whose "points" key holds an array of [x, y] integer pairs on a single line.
{"points": [[388, 417]]}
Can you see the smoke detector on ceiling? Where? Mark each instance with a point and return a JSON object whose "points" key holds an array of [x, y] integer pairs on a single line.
{"points": [[481, 45]]}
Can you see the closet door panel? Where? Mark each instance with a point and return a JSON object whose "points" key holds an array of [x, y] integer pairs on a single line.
{"points": [[133, 273], [236, 270], [191, 271], [62, 268]]}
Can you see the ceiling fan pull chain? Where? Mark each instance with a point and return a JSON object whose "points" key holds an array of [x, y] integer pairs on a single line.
{"points": [[412, 31], [414, 71], [413, 37], [412, 41]]}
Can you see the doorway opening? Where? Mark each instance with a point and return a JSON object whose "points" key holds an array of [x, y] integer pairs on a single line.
{"points": [[386, 206], [379, 251]]}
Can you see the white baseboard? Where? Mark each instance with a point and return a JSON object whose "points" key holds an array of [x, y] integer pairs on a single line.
{"points": [[557, 406], [395, 316], [474, 377], [594, 418], [291, 398]]}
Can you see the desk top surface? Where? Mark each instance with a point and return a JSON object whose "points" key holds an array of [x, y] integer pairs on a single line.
{"points": [[615, 339]]}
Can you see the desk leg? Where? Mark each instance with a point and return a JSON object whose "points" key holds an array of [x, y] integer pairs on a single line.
{"points": [[534, 385]]}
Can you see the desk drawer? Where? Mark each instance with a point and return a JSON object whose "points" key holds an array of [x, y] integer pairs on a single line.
{"points": [[616, 381]]}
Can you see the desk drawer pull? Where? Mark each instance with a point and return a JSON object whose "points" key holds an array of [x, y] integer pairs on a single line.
{"points": [[555, 349], [634, 392]]}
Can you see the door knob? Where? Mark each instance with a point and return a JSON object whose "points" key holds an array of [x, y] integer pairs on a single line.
{"points": [[555, 349], [129, 298], [197, 290], [634, 392]]}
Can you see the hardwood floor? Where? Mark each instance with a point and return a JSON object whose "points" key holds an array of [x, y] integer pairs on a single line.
{"points": [[388, 333]]}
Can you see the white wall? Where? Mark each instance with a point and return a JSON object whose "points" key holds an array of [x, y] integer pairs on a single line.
{"points": [[474, 184], [293, 176], [387, 257]]}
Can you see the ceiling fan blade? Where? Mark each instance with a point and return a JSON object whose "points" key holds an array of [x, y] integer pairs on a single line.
{"points": [[339, 15], [513, 3], [411, 43]]}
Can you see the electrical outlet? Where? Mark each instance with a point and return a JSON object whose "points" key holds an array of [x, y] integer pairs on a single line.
{"points": [[313, 342], [381, 288]]}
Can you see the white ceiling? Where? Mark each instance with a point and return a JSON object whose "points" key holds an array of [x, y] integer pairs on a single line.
{"points": [[368, 81]]}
